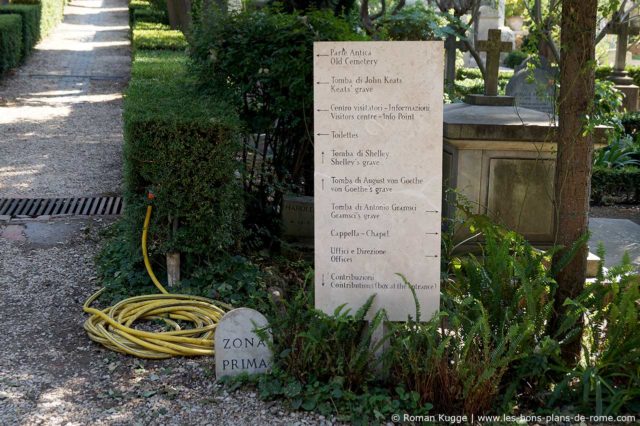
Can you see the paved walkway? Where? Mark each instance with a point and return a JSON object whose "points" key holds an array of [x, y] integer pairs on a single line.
{"points": [[60, 114]]}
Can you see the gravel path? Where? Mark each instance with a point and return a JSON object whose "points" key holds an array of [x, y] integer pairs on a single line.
{"points": [[61, 135], [60, 113], [51, 373]]}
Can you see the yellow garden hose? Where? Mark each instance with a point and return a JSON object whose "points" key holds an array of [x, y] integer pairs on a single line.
{"points": [[113, 326]]}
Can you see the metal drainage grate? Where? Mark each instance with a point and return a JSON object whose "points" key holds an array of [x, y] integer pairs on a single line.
{"points": [[34, 207]]}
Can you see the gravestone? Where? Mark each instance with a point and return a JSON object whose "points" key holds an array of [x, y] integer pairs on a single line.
{"points": [[378, 175], [534, 88], [297, 217], [238, 349]]}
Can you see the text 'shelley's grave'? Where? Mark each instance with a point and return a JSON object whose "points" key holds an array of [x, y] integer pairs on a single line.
{"points": [[238, 349], [378, 174]]}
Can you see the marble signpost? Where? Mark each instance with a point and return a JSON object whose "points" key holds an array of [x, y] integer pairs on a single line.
{"points": [[378, 174]]}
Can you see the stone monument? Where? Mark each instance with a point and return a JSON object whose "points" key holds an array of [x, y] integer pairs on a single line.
{"points": [[378, 175], [533, 85], [623, 82], [238, 348], [501, 159]]}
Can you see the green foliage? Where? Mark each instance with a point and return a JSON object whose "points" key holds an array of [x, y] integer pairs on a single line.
{"points": [[375, 406], [119, 263], [630, 121], [603, 72], [469, 81], [51, 13], [607, 378], [326, 363], [515, 58], [416, 22], [312, 346], [607, 105], [30, 24], [150, 15], [618, 154], [10, 42], [471, 73], [493, 313], [337, 7], [234, 279], [515, 8], [261, 62], [154, 36], [181, 146], [609, 184], [143, 11], [159, 5]]}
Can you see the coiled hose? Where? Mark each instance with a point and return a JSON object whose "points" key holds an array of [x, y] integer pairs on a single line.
{"points": [[113, 326]]}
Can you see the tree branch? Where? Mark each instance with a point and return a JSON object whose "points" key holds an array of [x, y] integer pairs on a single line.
{"points": [[364, 16], [398, 6], [477, 57]]}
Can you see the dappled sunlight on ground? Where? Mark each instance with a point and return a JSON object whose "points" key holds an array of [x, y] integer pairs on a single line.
{"points": [[63, 107]]}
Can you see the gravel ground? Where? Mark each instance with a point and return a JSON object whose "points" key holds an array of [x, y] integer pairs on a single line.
{"points": [[51, 373], [61, 135], [60, 113]]}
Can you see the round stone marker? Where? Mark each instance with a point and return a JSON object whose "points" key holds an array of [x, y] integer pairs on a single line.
{"points": [[238, 349]]}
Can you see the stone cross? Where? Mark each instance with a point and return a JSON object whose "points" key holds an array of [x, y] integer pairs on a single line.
{"points": [[623, 31], [493, 46]]}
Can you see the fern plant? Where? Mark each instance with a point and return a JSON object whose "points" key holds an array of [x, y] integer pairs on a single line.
{"points": [[493, 314], [606, 381]]}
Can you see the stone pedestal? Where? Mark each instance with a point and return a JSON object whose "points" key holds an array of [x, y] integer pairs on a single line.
{"points": [[501, 160], [631, 93]]}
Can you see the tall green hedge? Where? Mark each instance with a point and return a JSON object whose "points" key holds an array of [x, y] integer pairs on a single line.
{"points": [[183, 148], [30, 24], [10, 42], [51, 13], [154, 36]]}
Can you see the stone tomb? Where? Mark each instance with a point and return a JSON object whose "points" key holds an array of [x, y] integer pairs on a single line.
{"points": [[378, 174], [502, 161], [238, 349], [534, 88]]}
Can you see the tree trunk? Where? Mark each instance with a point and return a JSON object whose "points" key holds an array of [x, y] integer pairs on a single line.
{"points": [[575, 150]]}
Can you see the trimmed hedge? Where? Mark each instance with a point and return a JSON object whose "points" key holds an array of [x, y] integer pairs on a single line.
{"points": [[154, 36], [10, 42], [30, 14], [183, 147], [622, 183], [143, 11], [51, 13], [158, 64]]}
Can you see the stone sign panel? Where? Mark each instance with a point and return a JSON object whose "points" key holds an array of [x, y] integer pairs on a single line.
{"points": [[534, 88], [378, 174], [238, 349]]}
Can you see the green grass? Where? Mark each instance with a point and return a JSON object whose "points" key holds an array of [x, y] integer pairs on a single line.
{"points": [[10, 42]]}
